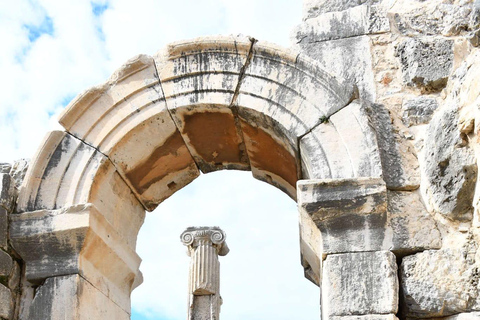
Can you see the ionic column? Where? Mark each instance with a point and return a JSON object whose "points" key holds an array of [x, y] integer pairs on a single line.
{"points": [[204, 244]]}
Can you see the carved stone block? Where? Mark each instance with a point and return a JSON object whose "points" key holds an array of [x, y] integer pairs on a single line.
{"points": [[361, 283], [6, 302], [3, 227], [72, 297], [351, 214]]}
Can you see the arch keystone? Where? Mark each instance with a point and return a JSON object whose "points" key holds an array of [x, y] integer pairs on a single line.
{"points": [[199, 79]]}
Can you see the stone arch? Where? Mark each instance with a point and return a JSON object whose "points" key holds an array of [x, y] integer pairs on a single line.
{"points": [[202, 105]]}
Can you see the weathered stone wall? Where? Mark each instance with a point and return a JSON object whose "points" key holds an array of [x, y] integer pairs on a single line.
{"points": [[11, 177], [387, 179], [418, 63]]}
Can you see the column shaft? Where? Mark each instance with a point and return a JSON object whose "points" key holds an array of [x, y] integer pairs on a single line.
{"points": [[205, 244]]}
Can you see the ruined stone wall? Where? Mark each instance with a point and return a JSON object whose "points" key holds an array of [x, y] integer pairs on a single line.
{"points": [[419, 64], [416, 68], [11, 177]]}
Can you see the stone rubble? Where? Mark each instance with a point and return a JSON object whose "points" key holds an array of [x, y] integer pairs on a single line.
{"points": [[420, 76], [413, 228], [439, 283], [419, 110], [399, 159], [426, 63], [11, 178], [450, 167]]}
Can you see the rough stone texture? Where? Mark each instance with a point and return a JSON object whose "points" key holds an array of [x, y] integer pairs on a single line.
{"points": [[450, 168], [5, 167], [426, 63], [474, 38], [18, 172], [440, 283], [6, 302], [464, 84], [366, 317], [9, 269], [15, 277], [6, 191], [418, 110], [349, 59], [360, 284], [413, 228], [313, 8], [3, 228], [387, 73], [354, 21], [6, 265], [399, 160], [461, 316], [475, 16], [447, 18]]}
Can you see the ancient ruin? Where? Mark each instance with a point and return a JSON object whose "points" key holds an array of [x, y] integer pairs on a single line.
{"points": [[205, 244], [370, 121]]}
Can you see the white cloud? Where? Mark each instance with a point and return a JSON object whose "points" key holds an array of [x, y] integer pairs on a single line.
{"points": [[73, 49], [37, 76], [267, 20]]}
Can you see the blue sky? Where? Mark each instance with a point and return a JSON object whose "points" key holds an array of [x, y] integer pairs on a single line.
{"points": [[261, 277], [52, 50], [139, 316]]}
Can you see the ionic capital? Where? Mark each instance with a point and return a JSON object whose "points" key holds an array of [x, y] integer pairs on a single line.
{"points": [[194, 237]]}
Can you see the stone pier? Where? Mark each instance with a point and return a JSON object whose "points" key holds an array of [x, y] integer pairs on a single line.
{"points": [[204, 244]]}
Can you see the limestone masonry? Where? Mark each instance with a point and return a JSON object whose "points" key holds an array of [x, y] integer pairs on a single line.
{"points": [[370, 122]]}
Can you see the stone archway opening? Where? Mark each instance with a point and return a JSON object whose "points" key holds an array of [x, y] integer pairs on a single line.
{"points": [[262, 233], [202, 105]]}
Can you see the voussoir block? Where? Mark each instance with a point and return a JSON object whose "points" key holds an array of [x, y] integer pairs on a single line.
{"points": [[283, 94], [67, 172], [134, 129], [343, 146], [199, 79]]}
